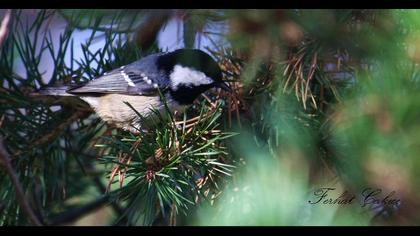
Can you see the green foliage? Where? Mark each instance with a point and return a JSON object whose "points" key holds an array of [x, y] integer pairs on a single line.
{"points": [[322, 98], [104, 20], [272, 192], [49, 140], [169, 164], [360, 127], [52, 141]]}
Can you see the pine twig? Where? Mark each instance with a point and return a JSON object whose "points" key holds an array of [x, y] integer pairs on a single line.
{"points": [[60, 128], [98, 183], [76, 213], [55, 132], [23, 201]]}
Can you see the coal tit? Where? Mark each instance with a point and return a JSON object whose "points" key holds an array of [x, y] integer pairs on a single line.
{"points": [[181, 76]]}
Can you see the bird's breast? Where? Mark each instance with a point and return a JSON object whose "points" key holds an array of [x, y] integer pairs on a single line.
{"points": [[112, 109]]}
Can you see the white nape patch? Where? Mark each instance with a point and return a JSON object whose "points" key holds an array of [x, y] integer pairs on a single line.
{"points": [[155, 85], [187, 76], [127, 79]]}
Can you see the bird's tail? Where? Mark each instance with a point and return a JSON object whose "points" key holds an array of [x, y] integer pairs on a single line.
{"points": [[57, 90], [57, 94]]}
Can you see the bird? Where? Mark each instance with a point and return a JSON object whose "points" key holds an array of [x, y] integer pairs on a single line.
{"points": [[180, 76]]}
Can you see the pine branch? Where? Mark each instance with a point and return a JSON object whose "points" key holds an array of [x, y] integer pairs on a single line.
{"points": [[23, 201], [60, 128], [78, 212], [50, 136], [89, 167], [147, 33], [101, 187]]}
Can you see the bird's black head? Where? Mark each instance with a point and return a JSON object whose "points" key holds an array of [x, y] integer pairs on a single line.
{"points": [[191, 72]]}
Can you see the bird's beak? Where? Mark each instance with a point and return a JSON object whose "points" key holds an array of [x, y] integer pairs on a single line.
{"points": [[224, 86]]}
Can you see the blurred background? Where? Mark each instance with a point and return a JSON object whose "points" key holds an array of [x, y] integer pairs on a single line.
{"points": [[322, 99]]}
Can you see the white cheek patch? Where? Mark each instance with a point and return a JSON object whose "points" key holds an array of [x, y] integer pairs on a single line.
{"points": [[188, 76]]}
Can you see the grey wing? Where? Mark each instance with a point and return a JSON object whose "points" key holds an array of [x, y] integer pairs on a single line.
{"points": [[139, 78]]}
